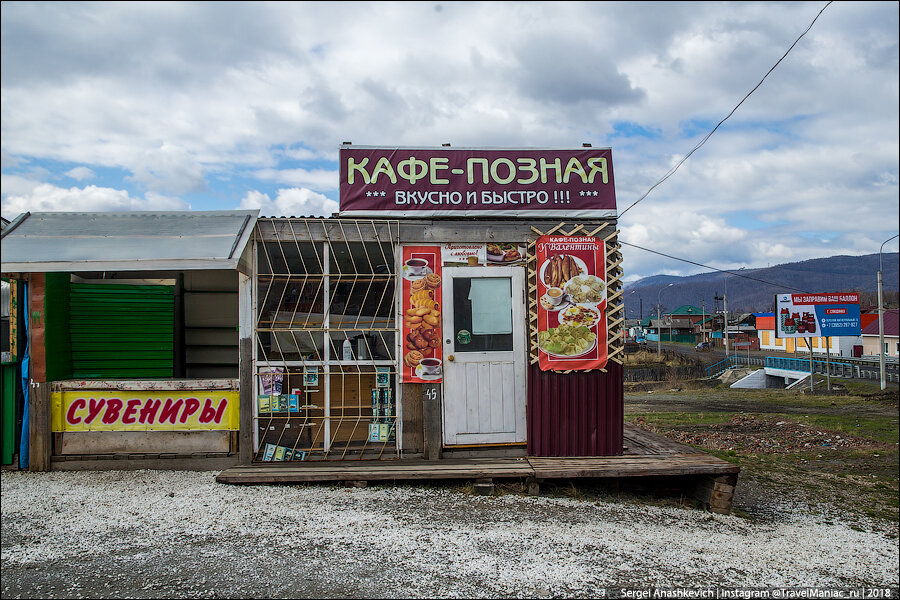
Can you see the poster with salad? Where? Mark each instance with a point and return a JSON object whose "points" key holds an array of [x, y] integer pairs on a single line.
{"points": [[571, 288]]}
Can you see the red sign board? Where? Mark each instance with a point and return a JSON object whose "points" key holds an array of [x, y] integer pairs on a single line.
{"points": [[466, 182], [572, 303]]}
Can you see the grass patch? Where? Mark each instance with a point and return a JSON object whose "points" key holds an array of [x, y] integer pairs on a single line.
{"points": [[836, 450]]}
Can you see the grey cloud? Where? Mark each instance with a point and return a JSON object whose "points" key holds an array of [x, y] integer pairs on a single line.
{"points": [[179, 43], [567, 73]]}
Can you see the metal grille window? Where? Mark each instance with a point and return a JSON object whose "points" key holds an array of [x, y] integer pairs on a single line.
{"points": [[325, 339]]}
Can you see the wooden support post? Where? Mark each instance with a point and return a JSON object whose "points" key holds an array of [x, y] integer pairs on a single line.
{"points": [[245, 403], [245, 368], [431, 415], [40, 436], [412, 418]]}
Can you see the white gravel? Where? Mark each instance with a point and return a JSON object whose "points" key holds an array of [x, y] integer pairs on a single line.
{"points": [[180, 534]]}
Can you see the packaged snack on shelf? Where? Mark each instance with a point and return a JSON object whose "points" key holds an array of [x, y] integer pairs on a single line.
{"points": [[387, 403], [374, 432], [384, 431], [294, 403], [279, 453], [375, 405], [269, 452], [264, 404], [382, 377]]}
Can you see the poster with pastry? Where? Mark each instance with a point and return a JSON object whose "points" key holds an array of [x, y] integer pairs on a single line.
{"points": [[420, 307]]}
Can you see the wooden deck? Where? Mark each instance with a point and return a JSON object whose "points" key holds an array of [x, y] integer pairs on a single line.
{"points": [[645, 455]]}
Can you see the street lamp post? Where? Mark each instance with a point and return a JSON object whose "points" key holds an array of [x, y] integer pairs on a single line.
{"points": [[881, 314], [725, 306], [702, 318], [659, 320]]}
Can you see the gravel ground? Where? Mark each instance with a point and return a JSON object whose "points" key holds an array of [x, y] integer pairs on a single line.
{"points": [[163, 534]]}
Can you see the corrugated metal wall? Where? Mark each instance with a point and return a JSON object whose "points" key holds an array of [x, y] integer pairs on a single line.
{"points": [[575, 414], [121, 331]]}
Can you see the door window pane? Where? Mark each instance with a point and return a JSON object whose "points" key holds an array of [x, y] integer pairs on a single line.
{"points": [[484, 299], [491, 306]]}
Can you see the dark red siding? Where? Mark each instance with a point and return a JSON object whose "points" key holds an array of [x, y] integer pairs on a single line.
{"points": [[575, 414]]}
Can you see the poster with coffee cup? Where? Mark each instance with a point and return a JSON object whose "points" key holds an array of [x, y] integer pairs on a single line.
{"points": [[421, 351], [572, 300]]}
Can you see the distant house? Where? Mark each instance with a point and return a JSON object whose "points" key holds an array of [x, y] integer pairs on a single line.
{"points": [[838, 346], [689, 312], [891, 339], [671, 330]]}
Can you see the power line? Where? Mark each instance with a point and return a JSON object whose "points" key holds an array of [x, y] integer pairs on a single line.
{"points": [[708, 135], [778, 285]]}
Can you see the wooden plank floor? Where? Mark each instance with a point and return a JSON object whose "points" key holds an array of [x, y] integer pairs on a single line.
{"points": [[646, 454]]}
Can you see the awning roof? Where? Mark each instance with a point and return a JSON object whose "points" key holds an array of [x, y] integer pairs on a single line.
{"points": [[126, 241]]}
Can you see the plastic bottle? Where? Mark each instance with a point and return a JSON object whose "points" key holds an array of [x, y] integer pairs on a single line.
{"points": [[348, 350]]}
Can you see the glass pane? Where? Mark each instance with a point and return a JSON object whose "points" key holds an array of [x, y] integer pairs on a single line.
{"points": [[290, 258], [491, 306], [361, 302], [355, 258], [464, 336], [362, 345]]}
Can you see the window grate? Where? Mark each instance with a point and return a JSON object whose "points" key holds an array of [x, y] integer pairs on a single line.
{"points": [[325, 339]]}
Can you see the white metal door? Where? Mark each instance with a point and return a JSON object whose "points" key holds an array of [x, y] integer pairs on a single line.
{"points": [[484, 355]]}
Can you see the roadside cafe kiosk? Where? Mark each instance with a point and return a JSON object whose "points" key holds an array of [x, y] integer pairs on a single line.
{"points": [[465, 302]]}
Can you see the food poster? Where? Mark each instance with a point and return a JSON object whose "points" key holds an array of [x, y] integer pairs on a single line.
{"points": [[503, 254], [571, 289], [491, 254], [817, 315], [421, 311]]}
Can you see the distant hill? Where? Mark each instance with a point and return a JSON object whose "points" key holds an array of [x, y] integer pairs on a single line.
{"points": [[753, 290]]}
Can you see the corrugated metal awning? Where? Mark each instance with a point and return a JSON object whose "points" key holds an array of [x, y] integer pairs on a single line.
{"points": [[126, 241]]}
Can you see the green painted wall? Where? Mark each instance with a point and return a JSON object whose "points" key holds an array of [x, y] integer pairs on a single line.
{"points": [[56, 326]]}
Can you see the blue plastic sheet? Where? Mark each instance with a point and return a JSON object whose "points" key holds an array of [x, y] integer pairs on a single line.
{"points": [[26, 361]]}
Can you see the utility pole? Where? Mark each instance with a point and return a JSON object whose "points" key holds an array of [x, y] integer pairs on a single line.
{"points": [[702, 319], [659, 321], [724, 298], [881, 314]]}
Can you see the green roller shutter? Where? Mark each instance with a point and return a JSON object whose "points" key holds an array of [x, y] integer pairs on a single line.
{"points": [[121, 331]]}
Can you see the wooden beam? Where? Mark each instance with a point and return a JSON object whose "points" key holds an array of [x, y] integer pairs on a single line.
{"points": [[40, 437]]}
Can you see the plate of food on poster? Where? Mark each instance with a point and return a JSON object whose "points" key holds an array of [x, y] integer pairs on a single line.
{"points": [[579, 314], [585, 289], [505, 253], [567, 341], [560, 268]]}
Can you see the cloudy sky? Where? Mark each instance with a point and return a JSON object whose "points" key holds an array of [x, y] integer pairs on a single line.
{"points": [[210, 106]]}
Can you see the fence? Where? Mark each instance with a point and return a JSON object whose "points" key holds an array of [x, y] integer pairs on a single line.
{"points": [[735, 360], [850, 369]]}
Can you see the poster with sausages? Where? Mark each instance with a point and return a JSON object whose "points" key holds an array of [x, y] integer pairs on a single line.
{"points": [[571, 288], [421, 312]]}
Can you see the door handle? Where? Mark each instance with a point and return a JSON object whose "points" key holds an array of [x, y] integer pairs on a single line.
{"points": [[450, 358]]}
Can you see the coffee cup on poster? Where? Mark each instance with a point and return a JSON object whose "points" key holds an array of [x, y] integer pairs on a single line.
{"points": [[555, 295], [430, 366], [417, 266]]}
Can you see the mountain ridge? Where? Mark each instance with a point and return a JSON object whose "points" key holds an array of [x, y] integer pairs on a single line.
{"points": [[753, 290]]}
